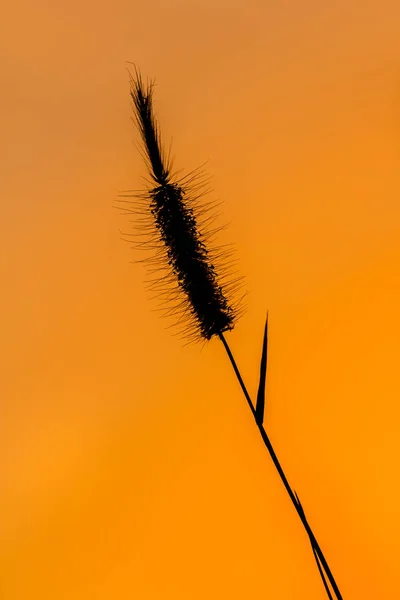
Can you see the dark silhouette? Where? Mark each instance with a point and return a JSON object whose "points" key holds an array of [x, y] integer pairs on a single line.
{"points": [[195, 273], [260, 405], [318, 554], [177, 226]]}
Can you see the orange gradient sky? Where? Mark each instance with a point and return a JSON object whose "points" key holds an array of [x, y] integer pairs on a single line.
{"points": [[130, 464]]}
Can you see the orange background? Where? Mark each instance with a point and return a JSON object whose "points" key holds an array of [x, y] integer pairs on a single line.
{"points": [[130, 465]]}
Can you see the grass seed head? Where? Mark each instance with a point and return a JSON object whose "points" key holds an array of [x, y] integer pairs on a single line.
{"points": [[189, 272]]}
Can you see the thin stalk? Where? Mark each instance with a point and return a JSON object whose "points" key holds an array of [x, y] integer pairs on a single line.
{"points": [[293, 496], [321, 572]]}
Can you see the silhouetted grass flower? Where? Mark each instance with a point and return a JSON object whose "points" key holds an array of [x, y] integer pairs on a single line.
{"points": [[195, 277], [181, 235]]}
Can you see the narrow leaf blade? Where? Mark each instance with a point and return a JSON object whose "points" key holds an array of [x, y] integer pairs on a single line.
{"points": [[260, 405]]}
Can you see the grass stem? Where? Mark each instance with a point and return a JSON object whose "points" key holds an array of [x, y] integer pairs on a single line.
{"points": [[318, 554]]}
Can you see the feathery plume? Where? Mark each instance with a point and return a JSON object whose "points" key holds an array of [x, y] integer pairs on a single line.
{"points": [[200, 272]]}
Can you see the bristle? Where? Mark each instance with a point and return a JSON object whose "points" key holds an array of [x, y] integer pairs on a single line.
{"points": [[143, 104], [197, 281]]}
